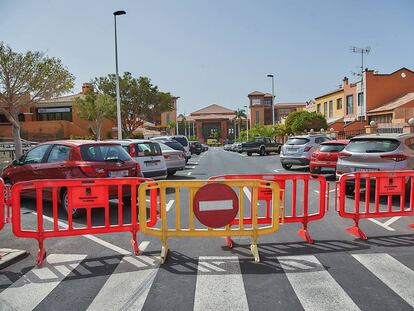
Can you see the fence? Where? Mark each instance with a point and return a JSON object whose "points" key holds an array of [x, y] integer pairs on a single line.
{"points": [[390, 128], [87, 194], [387, 185], [290, 193], [212, 207], [349, 134]]}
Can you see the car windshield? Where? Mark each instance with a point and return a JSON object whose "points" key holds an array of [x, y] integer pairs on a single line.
{"points": [[104, 153], [164, 147], [181, 140], [297, 141], [175, 145], [148, 149], [372, 145], [332, 147]]}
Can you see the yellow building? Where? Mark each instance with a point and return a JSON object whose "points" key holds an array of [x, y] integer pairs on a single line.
{"points": [[331, 105]]}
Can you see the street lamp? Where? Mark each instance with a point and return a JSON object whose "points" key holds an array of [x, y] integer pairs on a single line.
{"points": [[273, 98], [118, 98], [247, 123], [176, 115]]}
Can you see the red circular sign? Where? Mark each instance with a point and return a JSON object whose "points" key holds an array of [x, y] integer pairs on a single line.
{"points": [[215, 205]]}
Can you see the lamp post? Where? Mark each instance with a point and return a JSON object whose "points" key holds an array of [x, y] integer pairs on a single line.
{"points": [[176, 115], [118, 98], [247, 123], [273, 98]]}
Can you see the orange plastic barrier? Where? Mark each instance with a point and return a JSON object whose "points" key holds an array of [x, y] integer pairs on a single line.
{"points": [[2, 206], [87, 194], [298, 214], [387, 185]]}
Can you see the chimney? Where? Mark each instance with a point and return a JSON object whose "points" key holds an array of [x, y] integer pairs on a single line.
{"points": [[345, 81], [87, 87]]}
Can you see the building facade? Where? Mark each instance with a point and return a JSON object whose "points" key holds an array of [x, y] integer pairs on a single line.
{"points": [[260, 109], [331, 105]]}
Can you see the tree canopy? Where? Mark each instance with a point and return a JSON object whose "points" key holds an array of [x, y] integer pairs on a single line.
{"points": [[140, 99], [95, 108], [27, 78], [300, 121]]}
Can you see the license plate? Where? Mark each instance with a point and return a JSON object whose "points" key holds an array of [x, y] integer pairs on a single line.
{"points": [[123, 173], [150, 164], [358, 169], [293, 150]]}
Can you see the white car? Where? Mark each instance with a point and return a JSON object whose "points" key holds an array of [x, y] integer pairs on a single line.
{"points": [[181, 139], [149, 156], [174, 159]]}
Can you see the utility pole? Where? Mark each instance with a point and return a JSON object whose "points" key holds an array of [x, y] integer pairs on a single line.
{"points": [[355, 49]]}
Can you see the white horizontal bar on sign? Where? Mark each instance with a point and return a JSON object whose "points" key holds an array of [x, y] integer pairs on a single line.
{"points": [[216, 205]]}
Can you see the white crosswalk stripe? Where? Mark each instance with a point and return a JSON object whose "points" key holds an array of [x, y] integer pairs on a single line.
{"points": [[389, 270], [314, 286], [35, 285], [219, 283], [219, 291], [131, 287]]}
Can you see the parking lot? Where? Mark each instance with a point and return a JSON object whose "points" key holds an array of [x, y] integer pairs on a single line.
{"points": [[100, 272]]}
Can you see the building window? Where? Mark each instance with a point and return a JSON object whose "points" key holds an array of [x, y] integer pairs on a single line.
{"points": [[54, 113], [360, 99], [257, 117], [325, 109], [268, 101], [350, 104], [255, 101], [339, 104], [318, 108], [167, 118], [330, 108]]}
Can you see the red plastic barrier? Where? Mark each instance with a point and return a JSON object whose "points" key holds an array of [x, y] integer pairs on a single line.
{"points": [[2, 206], [389, 185], [298, 214], [85, 194]]}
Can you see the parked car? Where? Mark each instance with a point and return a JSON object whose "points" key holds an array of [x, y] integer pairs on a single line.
{"points": [[298, 149], [71, 159], [376, 152], [326, 155], [260, 145], [181, 139], [195, 147], [174, 159], [149, 156]]}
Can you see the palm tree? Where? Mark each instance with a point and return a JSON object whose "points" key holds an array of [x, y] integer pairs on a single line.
{"points": [[239, 115]]}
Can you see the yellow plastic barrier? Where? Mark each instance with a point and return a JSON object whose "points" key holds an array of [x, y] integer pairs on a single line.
{"points": [[195, 227]]}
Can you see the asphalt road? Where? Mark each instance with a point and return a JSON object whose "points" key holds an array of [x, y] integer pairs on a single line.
{"points": [[336, 272]]}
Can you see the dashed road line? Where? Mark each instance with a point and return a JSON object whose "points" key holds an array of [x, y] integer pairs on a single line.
{"points": [[189, 173], [169, 205]]}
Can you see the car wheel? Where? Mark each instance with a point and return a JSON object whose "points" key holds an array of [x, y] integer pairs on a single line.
{"points": [[278, 149], [267, 153], [249, 154], [287, 166], [76, 212], [349, 190], [315, 170], [262, 151], [170, 173]]}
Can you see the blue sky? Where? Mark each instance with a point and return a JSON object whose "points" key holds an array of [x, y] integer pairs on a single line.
{"points": [[217, 51]]}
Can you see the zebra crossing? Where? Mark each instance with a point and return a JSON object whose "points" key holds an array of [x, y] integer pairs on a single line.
{"points": [[213, 283]]}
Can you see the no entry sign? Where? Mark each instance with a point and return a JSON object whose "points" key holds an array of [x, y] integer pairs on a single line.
{"points": [[215, 205]]}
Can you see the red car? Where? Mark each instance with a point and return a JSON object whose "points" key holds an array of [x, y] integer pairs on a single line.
{"points": [[71, 159], [326, 155]]}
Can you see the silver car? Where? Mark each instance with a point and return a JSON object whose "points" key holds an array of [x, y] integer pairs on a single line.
{"points": [[376, 152], [174, 159], [298, 149]]}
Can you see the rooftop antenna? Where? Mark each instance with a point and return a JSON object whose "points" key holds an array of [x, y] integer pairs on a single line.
{"points": [[367, 50]]}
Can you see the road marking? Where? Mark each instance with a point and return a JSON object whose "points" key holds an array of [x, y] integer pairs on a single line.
{"points": [[97, 240], [169, 205], [27, 292], [131, 287], [315, 288], [190, 167], [384, 225], [222, 288], [247, 193], [276, 171], [189, 173], [392, 220], [390, 271]]}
